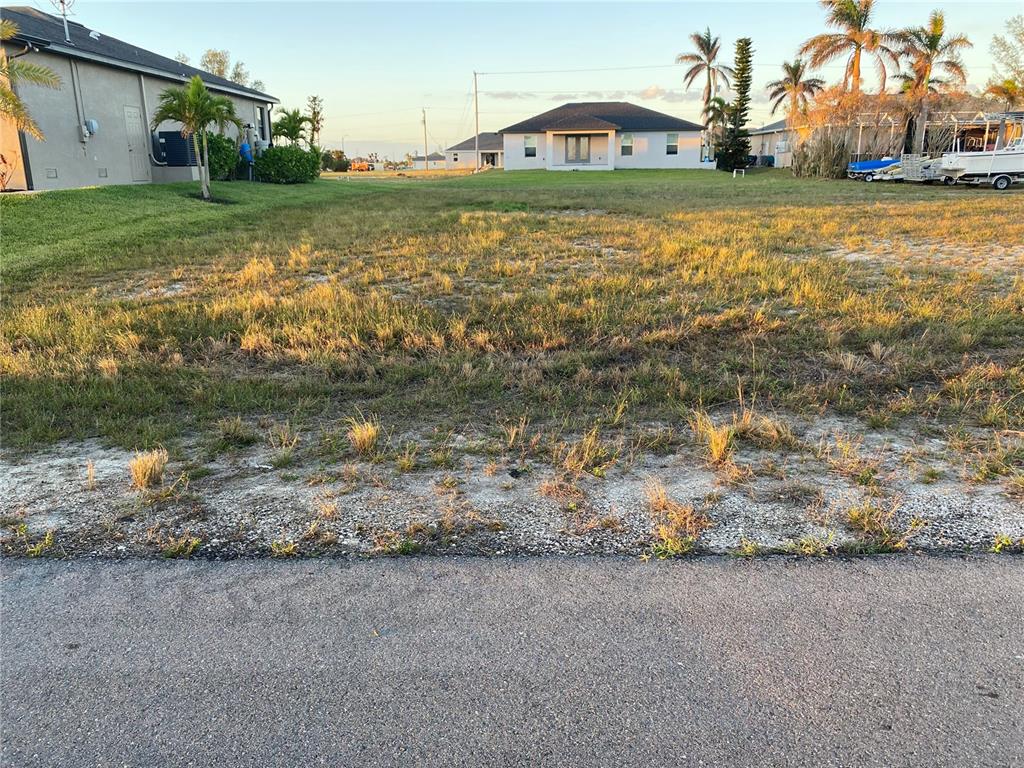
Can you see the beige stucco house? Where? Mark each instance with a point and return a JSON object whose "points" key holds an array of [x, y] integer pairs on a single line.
{"points": [[774, 140], [97, 124]]}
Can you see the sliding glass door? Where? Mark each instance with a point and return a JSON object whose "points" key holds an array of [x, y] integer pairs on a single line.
{"points": [[577, 149]]}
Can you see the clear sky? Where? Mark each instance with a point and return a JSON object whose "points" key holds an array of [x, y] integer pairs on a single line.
{"points": [[377, 64]]}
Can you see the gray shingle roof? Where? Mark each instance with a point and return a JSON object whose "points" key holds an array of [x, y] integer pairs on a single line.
{"points": [[489, 142], [778, 125], [431, 157], [47, 31], [602, 116]]}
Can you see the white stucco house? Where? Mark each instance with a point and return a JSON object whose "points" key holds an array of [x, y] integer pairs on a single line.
{"points": [[433, 162], [97, 124], [603, 136], [462, 156]]}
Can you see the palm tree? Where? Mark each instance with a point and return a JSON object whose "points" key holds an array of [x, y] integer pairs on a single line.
{"points": [[196, 109], [930, 51], [716, 116], [855, 38], [703, 63], [794, 86], [12, 72], [1009, 92], [290, 125]]}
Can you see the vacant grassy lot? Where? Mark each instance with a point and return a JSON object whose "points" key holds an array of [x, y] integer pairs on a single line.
{"points": [[569, 319]]}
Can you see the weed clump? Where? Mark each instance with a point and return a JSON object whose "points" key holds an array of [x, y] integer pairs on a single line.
{"points": [[676, 526], [147, 468], [363, 434]]}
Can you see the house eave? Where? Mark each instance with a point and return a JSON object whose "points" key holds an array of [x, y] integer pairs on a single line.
{"points": [[74, 53]]}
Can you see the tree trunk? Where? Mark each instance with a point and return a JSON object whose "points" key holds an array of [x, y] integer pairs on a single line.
{"points": [[206, 166], [199, 163], [920, 128], [855, 71]]}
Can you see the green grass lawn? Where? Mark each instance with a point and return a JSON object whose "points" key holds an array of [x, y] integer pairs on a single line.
{"points": [[622, 302]]}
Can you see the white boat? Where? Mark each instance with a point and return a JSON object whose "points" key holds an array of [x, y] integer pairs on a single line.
{"points": [[999, 167]]}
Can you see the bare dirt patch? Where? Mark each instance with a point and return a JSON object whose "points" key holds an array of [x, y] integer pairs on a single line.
{"points": [[241, 505]]}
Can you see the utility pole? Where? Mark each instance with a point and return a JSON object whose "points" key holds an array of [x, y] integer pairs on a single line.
{"points": [[476, 135], [426, 153]]}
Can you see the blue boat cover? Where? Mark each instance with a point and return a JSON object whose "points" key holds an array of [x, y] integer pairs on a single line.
{"points": [[870, 165]]}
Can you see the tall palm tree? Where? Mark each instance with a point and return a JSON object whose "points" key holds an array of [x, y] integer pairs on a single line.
{"points": [[704, 62], [794, 86], [855, 38], [930, 51], [196, 109], [291, 125], [1009, 92], [14, 72]]}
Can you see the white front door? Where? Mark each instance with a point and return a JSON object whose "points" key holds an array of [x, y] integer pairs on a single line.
{"points": [[138, 144]]}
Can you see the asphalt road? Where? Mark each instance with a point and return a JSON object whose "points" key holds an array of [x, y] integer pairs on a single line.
{"points": [[908, 661]]}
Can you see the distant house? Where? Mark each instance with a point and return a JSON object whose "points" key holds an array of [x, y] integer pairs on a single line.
{"points": [[97, 125], [602, 136], [463, 154], [774, 140], [434, 162]]}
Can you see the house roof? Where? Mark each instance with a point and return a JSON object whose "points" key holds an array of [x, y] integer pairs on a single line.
{"points": [[602, 116], [46, 32], [778, 125], [489, 142], [432, 157]]}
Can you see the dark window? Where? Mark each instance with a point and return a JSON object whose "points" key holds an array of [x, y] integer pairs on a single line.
{"points": [[672, 144], [627, 144], [261, 118], [530, 146]]}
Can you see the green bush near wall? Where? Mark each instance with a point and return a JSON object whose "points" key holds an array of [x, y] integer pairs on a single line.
{"points": [[288, 165], [223, 156]]}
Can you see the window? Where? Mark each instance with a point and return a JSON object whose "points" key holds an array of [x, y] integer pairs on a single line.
{"points": [[261, 119], [672, 144], [455, 157], [530, 146], [627, 145]]}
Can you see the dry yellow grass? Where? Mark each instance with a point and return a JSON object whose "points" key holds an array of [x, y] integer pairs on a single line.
{"points": [[672, 519], [363, 434], [147, 468], [717, 438]]}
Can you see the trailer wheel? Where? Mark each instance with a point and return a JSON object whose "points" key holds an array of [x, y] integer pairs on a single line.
{"points": [[869, 177], [949, 181], [1001, 182]]}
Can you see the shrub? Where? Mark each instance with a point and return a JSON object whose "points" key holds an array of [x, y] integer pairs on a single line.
{"points": [[287, 165], [823, 156], [223, 156]]}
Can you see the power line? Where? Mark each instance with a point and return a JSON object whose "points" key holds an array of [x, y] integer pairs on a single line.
{"points": [[592, 69]]}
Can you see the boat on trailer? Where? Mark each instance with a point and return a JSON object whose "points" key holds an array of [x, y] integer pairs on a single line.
{"points": [[1001, 166], [869, 170]]}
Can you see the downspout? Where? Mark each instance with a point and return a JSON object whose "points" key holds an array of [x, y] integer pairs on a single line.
{"points": [[26, 166], [76, 89], [145, 117]]}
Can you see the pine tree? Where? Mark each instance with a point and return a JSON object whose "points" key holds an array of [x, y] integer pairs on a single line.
{"points": [[736, 147]]}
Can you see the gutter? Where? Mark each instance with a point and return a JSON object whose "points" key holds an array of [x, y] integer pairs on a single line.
{"points": [[119, 64]]}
